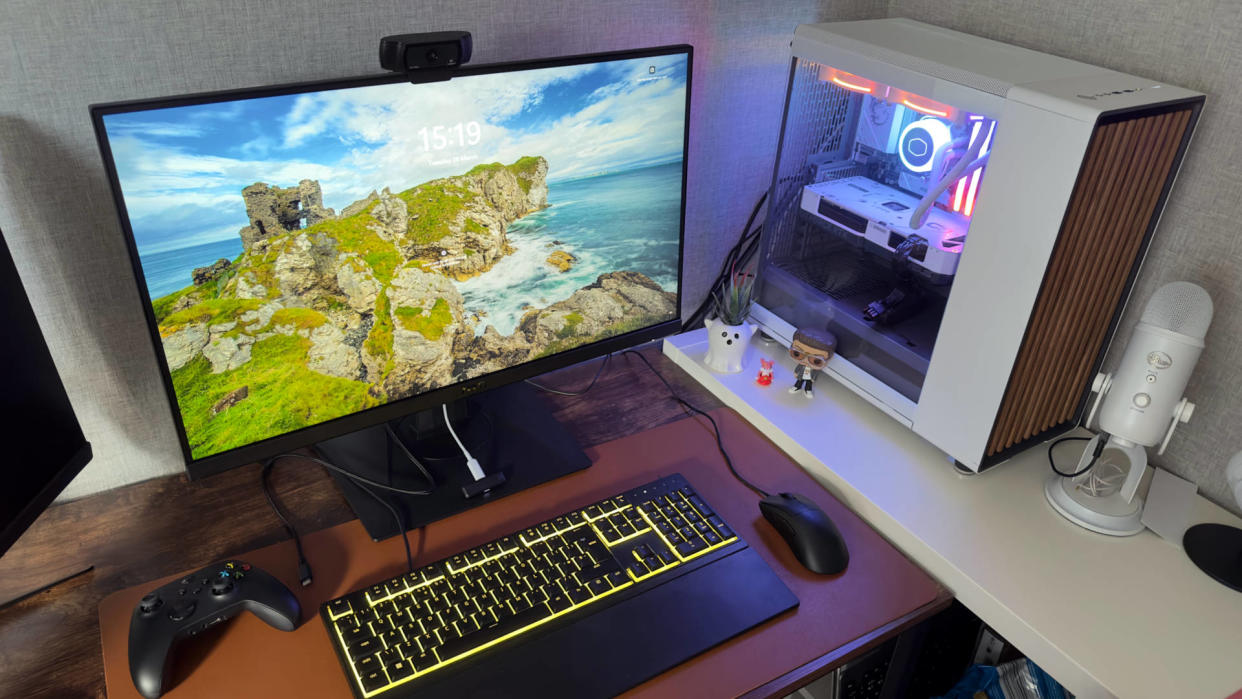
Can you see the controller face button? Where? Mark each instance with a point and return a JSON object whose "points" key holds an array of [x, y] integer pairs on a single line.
{"points": [[152, 639], [181, 610]]}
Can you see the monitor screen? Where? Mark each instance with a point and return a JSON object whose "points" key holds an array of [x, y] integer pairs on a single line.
{"points": [[312, 252], [44, 444]]}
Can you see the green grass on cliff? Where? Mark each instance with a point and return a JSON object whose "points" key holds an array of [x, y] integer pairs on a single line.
{"points": [[352, 235], [485, 168], [525, 169], [299, 318], [164, 304], [430, 325], [284, 395], [572, 320], [379, 340], [211, 312], [262, 268], [433, 208]]}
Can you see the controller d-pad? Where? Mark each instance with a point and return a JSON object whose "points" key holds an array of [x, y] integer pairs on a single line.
{"points": [[181, 610]]}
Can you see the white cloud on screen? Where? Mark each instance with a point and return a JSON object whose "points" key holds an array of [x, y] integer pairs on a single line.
{"points": [[632, 118]]}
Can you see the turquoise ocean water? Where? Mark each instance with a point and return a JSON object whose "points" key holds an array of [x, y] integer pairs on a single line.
{"points": [[169, 270], [620, 221]]}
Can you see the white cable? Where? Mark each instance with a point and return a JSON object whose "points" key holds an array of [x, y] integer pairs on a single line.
{"points": [[938, 159], [471, 463], [969, 162]]}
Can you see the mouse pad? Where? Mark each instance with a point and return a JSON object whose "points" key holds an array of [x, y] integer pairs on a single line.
{"points": [[879, 586]]}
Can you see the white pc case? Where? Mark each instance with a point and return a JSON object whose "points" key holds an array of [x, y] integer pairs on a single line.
{"points": [[967, 217]]}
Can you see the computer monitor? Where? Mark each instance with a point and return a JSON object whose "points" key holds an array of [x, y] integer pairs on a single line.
{"points": [[44, 445], [319, 258]]}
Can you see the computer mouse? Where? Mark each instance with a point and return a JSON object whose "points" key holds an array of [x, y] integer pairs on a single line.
{"points": [[809, 532]]}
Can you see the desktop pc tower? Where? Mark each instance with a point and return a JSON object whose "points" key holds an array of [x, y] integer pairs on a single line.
{"points": [[967, 218]]}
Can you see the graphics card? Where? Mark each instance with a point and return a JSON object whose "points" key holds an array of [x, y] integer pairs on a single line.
{"points": [[881, 214]]}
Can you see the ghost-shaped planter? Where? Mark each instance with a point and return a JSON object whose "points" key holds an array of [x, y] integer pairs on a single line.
{"points": [[726, 344]]}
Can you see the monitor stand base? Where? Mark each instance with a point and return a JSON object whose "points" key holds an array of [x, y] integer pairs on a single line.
{"points": [[509, 430]]}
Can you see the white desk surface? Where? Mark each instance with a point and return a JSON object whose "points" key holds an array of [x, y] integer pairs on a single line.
{"points": [[1126, 617]]}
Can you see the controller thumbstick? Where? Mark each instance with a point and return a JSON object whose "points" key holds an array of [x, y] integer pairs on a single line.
{"points": [[222, 585], [181, 610], [150, 603]]}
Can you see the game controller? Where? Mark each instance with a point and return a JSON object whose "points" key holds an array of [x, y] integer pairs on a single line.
{"points": [[189, 606]]}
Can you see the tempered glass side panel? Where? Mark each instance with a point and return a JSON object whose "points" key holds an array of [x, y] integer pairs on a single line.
{"points": [[869, 213]]}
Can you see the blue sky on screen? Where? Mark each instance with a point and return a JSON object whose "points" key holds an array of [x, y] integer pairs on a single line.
{"points": [[182, 169]]}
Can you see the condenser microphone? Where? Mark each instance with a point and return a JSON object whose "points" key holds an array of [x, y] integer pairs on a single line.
{"points": [[1140, 406], [1147, 389]]}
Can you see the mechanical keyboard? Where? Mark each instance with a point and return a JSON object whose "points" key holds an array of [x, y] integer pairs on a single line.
{"points": [[397, 632]]}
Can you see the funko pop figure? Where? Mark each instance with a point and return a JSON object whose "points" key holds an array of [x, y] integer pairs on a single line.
{"points": [[811, 349], [765, 372]]}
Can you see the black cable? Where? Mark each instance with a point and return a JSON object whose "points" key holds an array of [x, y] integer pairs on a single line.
{"points": [[716, 428], [304, 570], [405, 537], [1099, 449], [591, 385], [355, 477], [431, 480], [745, 241], [733, 260], [738, 255]]}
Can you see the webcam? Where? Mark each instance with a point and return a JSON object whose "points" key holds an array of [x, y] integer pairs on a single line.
{"points": [[429, 52]]}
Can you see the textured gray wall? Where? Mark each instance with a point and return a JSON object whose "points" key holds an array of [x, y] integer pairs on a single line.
{"points": [[56, 211], [1195, 45]]}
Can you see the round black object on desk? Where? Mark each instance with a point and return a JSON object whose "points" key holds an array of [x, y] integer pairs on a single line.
{"points": [[1217, 550]]}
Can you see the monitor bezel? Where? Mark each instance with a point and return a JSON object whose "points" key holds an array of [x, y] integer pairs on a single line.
{"points": [[307, 436]]}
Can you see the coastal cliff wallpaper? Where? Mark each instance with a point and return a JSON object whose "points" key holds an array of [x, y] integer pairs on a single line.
{"points": [[316, 254]]}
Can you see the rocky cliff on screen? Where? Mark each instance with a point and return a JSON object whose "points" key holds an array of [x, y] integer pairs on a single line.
{"points": [[340, 312]]}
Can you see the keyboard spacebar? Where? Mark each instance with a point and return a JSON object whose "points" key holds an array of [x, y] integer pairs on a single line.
{"points": [[458, 646]]}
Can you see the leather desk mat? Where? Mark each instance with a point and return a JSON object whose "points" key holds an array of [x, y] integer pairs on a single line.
{"points": [[245, 657]]}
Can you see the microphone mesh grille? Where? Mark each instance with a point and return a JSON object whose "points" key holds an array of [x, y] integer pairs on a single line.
{"points": [[1181, 307]]}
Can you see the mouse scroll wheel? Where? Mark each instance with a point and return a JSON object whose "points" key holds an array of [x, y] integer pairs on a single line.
{"points": [[788, 496]]}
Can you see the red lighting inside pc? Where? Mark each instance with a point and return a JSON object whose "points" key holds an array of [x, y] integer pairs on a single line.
{"points": [[850, 82], [974, 177], [937, 111]]}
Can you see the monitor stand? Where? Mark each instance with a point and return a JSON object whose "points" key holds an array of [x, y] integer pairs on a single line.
{"points": [[508, 429]]}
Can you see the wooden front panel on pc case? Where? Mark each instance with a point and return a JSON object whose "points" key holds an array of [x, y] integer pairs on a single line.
{"points": [[1125, 176]]}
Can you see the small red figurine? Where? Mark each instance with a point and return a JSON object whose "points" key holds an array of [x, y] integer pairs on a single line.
{"points": [[765, 372]]}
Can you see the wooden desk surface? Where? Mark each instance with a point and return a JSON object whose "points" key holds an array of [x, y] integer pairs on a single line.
{"points": [[879, 586], [150, 530]]}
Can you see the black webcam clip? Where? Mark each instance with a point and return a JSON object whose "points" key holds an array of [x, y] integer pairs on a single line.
{"points": [[425, 57]]}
